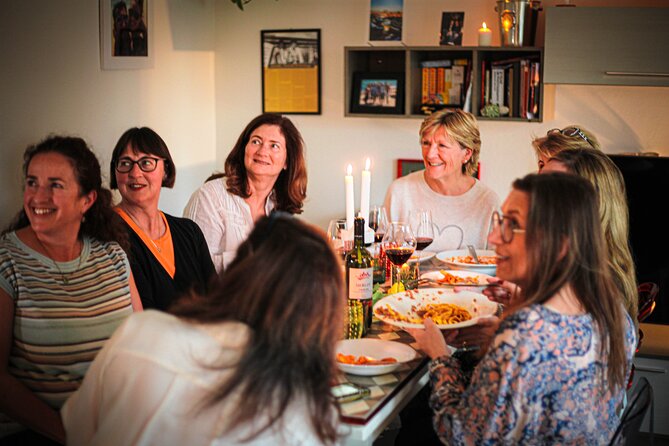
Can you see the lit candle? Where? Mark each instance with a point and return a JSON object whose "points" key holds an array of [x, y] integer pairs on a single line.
{"points": [[485, 35], [364, 191], [350, 197]]}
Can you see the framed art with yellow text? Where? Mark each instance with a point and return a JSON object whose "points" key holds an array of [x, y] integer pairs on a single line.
{"points": [[291, 71]]}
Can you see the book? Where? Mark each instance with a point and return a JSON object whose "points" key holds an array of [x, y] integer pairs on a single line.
{"points": [[535, 91], [436, 63], [497, 87]]}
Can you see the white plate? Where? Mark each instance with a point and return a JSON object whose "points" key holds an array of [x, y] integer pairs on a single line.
{"points": [[377, 349], [449, 258], [407, 302], [481, 279], [424, 255]]}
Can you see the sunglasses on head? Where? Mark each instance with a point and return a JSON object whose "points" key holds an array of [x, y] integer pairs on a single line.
{"points": [[571, 131]]}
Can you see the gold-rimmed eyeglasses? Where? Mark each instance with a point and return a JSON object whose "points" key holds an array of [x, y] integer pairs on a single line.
{"points": [[506, 225], [571, 131]]}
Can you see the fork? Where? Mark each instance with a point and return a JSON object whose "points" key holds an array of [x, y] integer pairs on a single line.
{"points": [[472, 252]]}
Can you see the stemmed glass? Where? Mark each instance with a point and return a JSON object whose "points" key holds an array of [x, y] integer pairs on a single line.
{"points": [[421, 223], [378, 221], [399, 244], [335, 233]]}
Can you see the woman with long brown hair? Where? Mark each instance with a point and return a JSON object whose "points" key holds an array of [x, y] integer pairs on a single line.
{"points": [[265, 171], [253, 360], [556, 370]]}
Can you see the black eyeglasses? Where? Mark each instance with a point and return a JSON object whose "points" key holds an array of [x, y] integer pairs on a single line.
{"points": [[571, 131], [507, 226], [145, 164]]}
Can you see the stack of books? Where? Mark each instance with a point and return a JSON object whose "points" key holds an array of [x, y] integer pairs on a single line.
{"points": [[445, 82]]}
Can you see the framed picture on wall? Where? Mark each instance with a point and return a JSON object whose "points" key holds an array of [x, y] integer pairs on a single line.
{"points": [[385, 20], [126, 34], [291, 71], [378, 93]]}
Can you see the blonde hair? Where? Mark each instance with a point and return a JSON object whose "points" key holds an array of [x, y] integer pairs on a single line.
{"points": [[555, 142], [603, 174], [460, 126]]}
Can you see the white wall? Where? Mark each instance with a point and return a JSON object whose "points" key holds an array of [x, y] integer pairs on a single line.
{"points": [[51, 82], [624, 119]]}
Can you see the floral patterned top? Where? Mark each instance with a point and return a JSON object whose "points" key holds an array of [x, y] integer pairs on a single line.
{"points": [[540, 383]]}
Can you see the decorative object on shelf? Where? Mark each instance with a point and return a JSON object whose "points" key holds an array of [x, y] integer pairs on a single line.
{"points": [[451, 28], [485, 35], [291, 71], [126, 34], [378, 93], [494, 111], [385, 20], [517, 21]]}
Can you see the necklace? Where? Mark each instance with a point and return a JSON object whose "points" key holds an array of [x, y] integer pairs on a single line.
{"points": [[148, 236], [66, 281]]}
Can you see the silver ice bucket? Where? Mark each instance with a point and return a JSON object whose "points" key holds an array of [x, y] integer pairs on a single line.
{"points": [[517, 21]]}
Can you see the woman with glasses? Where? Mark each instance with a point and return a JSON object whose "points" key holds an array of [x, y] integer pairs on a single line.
{"points": [[265, 170], [250, 363], [556, 370], [556, 140], [169, 256], [460, 204]]}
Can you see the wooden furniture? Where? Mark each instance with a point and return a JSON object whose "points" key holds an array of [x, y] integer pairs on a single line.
{"points": [[607, 46], [410, 61]]}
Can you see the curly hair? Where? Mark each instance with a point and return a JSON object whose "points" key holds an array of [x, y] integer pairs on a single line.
{"points": [[100, 221], [290, 188]]}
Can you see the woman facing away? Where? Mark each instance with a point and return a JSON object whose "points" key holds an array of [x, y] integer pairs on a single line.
{"points": [[265, 170], [252, 360], [460, 204], [556, 370], [65, 286], [168, 255], [557, 140]]}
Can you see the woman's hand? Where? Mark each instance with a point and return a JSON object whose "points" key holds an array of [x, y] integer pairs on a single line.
{"points": [[502, 291], [431, 341], [479, 335]]}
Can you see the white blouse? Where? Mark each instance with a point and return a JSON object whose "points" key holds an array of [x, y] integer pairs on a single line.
{"points": [[225, 219]]}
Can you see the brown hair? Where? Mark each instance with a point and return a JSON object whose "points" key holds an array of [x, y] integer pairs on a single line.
{"points": [[554, 142], [143, 140], [563, 209], [290, 188], [295, 314], [462, 127], [100, 221], [607, 180]]}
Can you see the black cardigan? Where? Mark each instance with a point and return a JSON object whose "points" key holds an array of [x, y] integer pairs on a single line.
{"points": [[194, 268]]}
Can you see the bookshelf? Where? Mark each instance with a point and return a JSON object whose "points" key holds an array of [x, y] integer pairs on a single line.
{"points": [[457, 64]]}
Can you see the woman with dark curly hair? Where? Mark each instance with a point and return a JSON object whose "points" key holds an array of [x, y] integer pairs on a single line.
{"points": [[250, 363], [265, 170], [65, 284]]}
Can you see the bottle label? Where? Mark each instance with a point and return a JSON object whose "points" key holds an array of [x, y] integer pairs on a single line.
{"points": [[360, 283]]}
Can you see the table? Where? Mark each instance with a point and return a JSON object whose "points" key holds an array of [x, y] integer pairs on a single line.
{"points": [[390, 393]]}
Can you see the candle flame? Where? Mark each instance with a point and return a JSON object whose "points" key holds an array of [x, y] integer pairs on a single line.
{"points": [[349, 169], [484, 25], [367, 164]]}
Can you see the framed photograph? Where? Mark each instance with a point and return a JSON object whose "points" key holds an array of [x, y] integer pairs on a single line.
{"points": [[126, 34], [451, 28], [291, 71], [378, 93], [385, 20]]}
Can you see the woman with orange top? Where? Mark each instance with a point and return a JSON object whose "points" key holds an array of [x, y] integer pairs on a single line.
{"points": [[169, 255]]}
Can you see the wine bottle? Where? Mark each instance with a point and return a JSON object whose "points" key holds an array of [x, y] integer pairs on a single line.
{"points": [[359, 271]]}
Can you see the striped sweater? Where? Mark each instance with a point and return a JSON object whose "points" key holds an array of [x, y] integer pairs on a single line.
{"points": [[62, 314]]}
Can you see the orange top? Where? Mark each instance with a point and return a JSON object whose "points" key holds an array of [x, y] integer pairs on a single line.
{"points": [[162, 248]]}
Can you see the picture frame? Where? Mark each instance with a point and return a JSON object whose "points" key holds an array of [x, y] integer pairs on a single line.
{"points": [[385, 20], [126, 34], [291, 71], [405, 166], [451, 28], [377, 93]]}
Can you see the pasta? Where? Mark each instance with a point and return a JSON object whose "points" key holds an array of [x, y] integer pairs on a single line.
{"points": [[364, 360], [441, 314], [450, 279], [483, 260]]}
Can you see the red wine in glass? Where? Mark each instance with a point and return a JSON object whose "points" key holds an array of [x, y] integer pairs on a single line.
{"points": [[399, 256], [378, 236], [423, 242]]}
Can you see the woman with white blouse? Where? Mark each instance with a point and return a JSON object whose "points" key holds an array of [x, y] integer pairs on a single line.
{"points": [[264, 171]]}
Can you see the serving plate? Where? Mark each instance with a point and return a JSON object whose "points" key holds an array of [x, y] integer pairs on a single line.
{"points": [[407, 303], [454, 259], [373, 348], [424, 255], [438, 277]]}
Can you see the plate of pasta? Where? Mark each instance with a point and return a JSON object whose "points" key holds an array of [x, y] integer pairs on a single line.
{"points": [[457, 278], [370, 357], [460, 259], [448, 309]]}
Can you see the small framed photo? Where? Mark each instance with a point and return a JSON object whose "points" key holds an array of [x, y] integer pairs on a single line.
{"points": [[378, 93], [385, 20], [451, 28], [291, 71], [407, 166], [126, 34]]}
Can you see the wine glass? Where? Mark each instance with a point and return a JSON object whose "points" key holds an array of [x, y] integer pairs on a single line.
{"points": [[421, 224], [398, 244], [335, 233], [378, 221]]}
